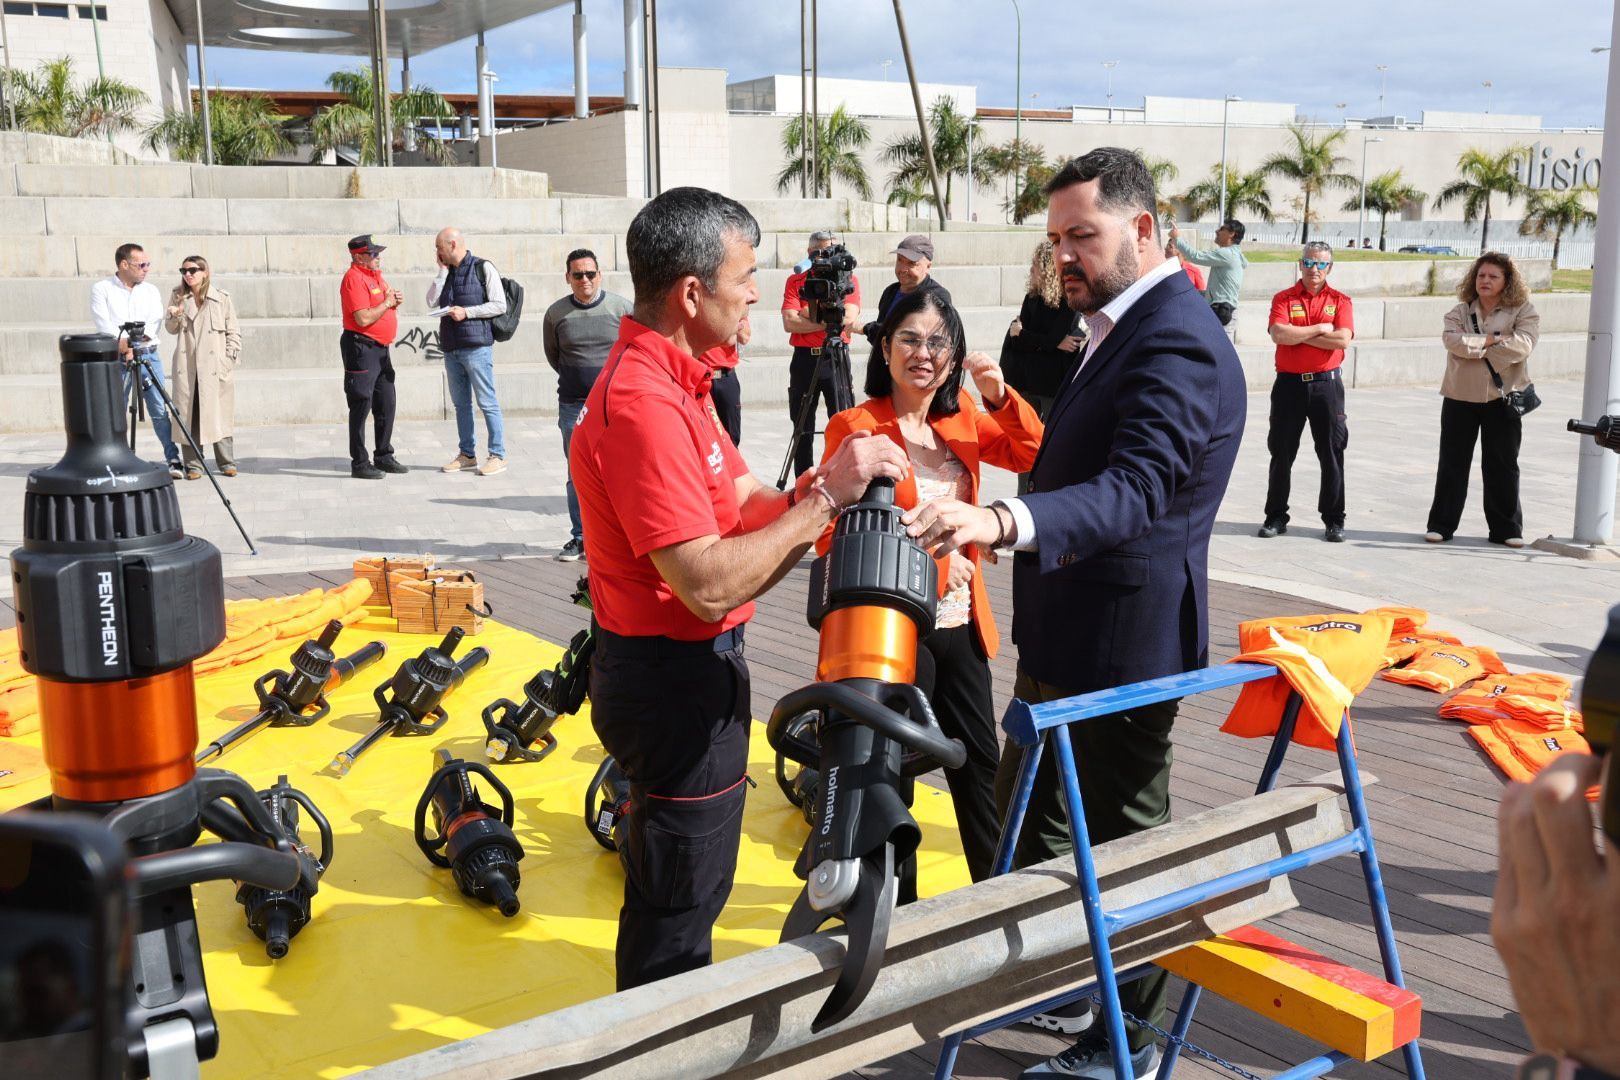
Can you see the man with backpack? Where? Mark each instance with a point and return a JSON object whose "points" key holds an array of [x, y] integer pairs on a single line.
{"points": [[470, 296]]}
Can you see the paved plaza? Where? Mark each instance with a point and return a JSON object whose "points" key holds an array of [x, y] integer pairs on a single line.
{"points": [[1539, 609]]}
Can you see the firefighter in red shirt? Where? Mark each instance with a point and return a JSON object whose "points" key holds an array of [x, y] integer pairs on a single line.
{"points": [[681, 539], [1311, 324], [369, 324]]}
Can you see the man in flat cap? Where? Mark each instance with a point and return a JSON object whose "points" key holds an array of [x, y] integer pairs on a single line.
{"points": [[369, 325], [912, 259]]}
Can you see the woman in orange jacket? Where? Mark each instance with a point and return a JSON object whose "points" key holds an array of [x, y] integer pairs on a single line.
{"points": [[915, 397]]}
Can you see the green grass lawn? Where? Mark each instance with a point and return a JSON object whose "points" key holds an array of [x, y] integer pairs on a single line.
{"points": [[1572, 281]]}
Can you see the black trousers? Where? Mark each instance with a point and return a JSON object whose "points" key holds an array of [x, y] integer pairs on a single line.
{"points": [[1499, 430], [1223, 312], [1123, 763], [953, 671], [802, 385], [675, 716], [726, 393], [368, 384], [1294, 402]]}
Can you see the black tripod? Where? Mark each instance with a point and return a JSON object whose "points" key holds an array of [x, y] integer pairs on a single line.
{"points": [[145, 378], [834, 357]]}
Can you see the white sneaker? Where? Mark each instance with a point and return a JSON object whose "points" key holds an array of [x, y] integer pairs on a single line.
{"points": [[1514, 542], [491, 466], [1434, 538], [462, 461], [1065, 1021]]}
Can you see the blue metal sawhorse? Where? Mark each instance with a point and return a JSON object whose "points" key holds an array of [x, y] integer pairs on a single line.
{"points": [[1029, 726]]}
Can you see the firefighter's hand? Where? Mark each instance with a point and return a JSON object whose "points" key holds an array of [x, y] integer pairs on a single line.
{"points": [[1554, 923]]}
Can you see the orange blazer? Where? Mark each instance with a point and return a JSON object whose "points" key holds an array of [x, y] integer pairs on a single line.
{"points": [[1008, 437]]}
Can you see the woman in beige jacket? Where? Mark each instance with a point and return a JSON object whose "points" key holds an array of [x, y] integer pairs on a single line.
{"points": [[1493, 327], [208, 348]]}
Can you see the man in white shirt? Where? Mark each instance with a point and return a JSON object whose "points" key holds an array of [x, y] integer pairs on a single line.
{"points": [[128, 297]]}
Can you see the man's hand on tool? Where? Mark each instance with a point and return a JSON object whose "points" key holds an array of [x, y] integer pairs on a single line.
{"points": [[858, 461], [1554, 917], [946, 525]]}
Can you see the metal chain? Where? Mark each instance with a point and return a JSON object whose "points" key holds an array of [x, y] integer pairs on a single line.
{"points": [[1191, 1048]]}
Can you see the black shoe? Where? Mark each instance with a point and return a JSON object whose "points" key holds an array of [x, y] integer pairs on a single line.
{"points": [[365, 472], [573, 551], [1334, 534], [1272, 527], [392, 465]]}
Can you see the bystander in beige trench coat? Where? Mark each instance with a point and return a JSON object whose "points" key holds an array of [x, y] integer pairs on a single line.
{"points": [[208, 349]]}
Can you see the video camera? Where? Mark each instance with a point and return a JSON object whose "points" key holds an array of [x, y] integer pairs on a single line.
{"points": [[831, 277]]}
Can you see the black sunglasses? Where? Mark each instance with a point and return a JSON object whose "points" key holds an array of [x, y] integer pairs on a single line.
{"points": [[189, 270], [583, 275]]}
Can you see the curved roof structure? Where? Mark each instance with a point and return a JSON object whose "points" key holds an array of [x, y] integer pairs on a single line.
{"points": [[344, 26]]}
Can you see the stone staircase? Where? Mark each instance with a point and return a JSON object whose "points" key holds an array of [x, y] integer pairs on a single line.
{"points": [[276, 235]]}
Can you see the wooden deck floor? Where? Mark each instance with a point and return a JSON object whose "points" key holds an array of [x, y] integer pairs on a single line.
{"points": [[1433, 810]]}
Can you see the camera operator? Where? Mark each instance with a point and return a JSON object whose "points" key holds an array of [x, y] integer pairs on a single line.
{"points": [[1554, 923], [806, 334], [913, 259], [128, 297], [681, 539]]}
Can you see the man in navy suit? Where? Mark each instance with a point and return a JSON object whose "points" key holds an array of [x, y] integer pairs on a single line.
{"points": [[1110, 580]]}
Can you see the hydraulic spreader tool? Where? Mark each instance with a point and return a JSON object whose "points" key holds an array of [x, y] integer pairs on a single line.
{"points": [[513, 729], [412, 702], [471, 838], [872, 597], [114, 602], [276, 915], [297, 698]]}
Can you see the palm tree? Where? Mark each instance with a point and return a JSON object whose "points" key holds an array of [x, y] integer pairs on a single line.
{"points": [[1312, 165], [1013, 158], [1482, 175], [49, 103], [247, 130], [950, 132], [1246, 194], [1031, 197], [1387, 193], [1163, 170], [839, 140], [1556, 212], [351, 123]]}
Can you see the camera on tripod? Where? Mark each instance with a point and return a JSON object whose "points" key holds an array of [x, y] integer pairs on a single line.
{"points": [[829, 279], [140, 342]]}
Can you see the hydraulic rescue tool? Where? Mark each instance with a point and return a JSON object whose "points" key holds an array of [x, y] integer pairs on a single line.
{"points": [[411, 703], [298, 698], [471, 838], [1605, 431], [551, 694], [114, 602], [872, 596], [276, 915], [607, 800]]}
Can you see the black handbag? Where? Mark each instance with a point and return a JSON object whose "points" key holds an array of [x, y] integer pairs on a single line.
{"points": [[1524, 401]]}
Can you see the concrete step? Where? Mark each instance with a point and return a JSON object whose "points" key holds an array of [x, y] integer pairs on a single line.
{"points": [[1414, 317], [313, 393], [291, 344], [269, 182], [287, 296]]}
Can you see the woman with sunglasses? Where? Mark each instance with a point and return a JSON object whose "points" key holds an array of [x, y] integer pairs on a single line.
{"points": [[916, 398], [208, 347]]}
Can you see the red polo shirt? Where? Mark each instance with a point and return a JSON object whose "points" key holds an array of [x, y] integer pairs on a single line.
{"points": [[721, 357], [652, 467], [365, 288], [791, 301], [1295, 306]]}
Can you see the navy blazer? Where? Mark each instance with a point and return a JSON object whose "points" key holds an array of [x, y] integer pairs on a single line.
{"points": [[1138, 450]]}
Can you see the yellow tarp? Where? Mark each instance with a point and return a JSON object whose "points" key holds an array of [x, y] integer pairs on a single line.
{"points": [[395, 960]]}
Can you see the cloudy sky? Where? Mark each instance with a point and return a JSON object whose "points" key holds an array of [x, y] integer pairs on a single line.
{"points": [[1537, 57]]}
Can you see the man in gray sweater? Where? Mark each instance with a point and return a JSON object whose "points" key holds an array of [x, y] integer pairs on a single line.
{"points": [[579, 332]]}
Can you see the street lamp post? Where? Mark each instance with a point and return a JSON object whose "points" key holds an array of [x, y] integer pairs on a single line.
{"points": [[1487, 85], [489, 79], [1226, 104], [1109, 66], [1361, 212], [1018, 81], [1381, 69]]}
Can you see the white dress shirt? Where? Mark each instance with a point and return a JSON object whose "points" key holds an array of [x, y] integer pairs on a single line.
{"points": [[1101, 324], [495, 305], [112, 303]]}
